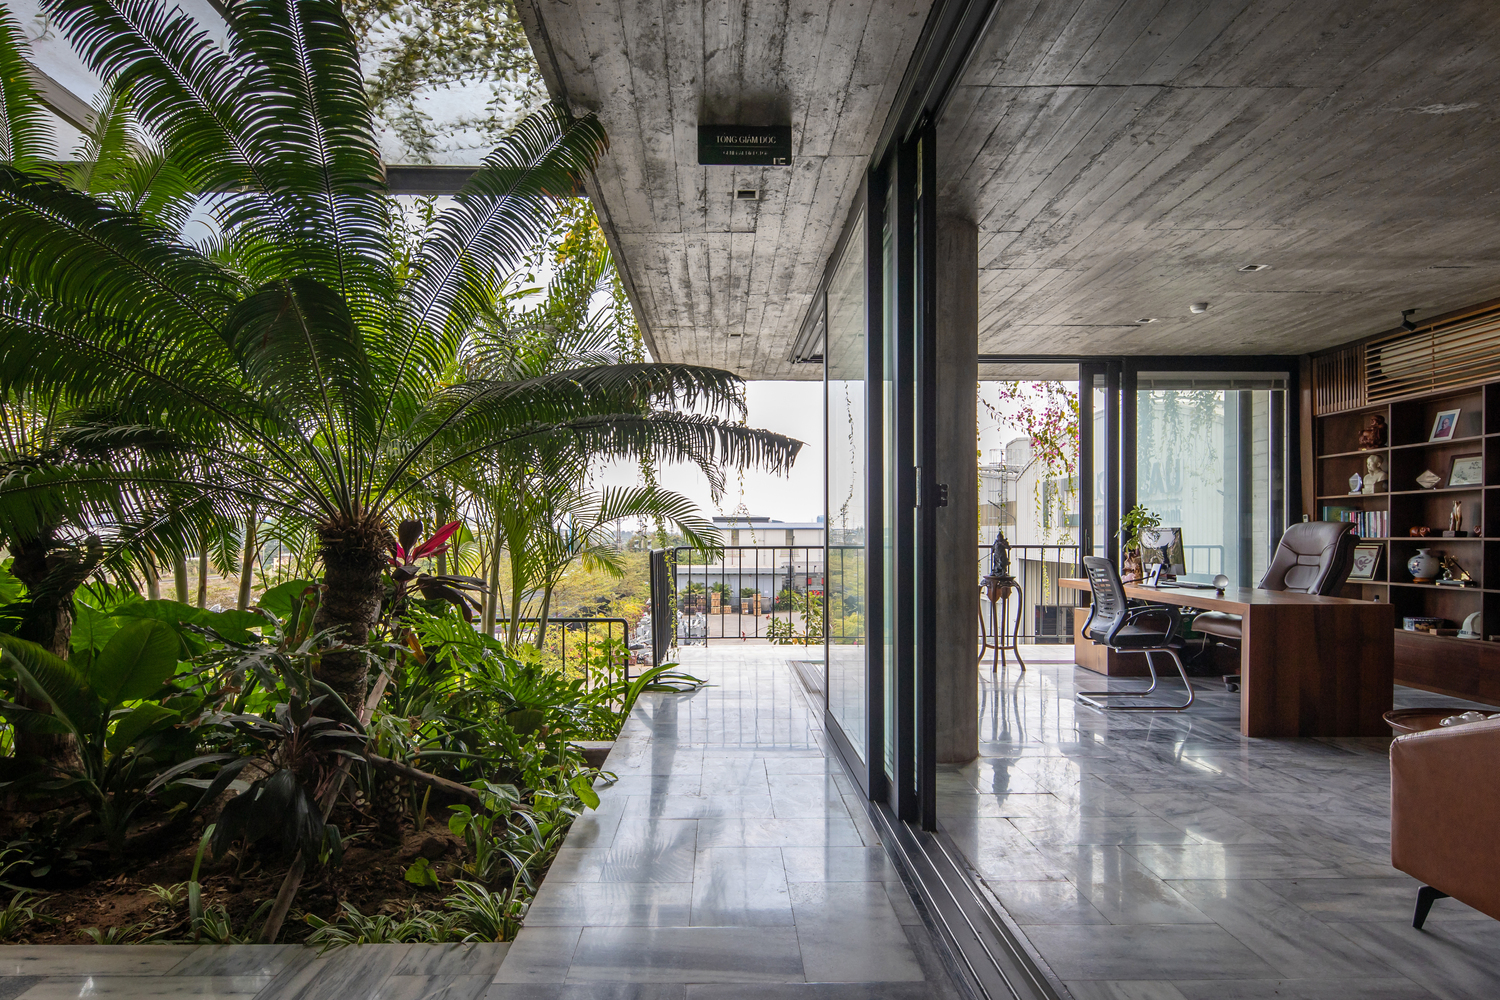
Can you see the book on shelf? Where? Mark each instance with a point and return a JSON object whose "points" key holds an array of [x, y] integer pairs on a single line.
{"points": [[1367, 523]]}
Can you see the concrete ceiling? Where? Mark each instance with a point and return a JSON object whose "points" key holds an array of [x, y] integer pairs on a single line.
{"points": [[1124, 159], [714, 280]]}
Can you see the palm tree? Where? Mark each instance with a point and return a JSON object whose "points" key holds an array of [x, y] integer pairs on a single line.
{"points": [[304, 357]]}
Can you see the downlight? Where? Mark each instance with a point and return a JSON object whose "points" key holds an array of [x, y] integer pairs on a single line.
{"points": [[1255, 267], [747, 194]]}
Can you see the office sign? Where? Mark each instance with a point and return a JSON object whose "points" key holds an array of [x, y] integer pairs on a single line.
{"points": [[751, 145]]}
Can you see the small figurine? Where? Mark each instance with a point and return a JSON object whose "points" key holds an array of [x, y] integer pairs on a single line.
{"points": [[1374, 479], [1456, 516], [1373, 436], [1356, 483], [1420, 531], [1453, 571]]}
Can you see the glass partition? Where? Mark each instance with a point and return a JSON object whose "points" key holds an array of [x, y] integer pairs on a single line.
{"points": [[1206, 462], [845, 592]]}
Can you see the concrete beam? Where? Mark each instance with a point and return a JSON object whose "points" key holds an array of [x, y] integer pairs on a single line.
{"points": [[958, 466]]}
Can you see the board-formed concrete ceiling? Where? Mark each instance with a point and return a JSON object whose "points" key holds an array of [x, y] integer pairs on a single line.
{"points": [[1125, 158], [715, 280]]}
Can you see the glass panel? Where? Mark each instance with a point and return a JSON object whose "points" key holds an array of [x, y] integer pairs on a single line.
{"points": [[844, 353], [1203, 464], [1099, 530], [888, 485]]}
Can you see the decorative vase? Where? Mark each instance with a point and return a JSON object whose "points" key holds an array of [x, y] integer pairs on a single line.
{"points": [[1424, 566]]}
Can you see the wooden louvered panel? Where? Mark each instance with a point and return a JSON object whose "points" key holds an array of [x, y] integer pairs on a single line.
{"points": [[1339, 378], [1445, 357]]}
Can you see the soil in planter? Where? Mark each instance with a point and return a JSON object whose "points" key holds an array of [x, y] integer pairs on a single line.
{"points": [[371, 878]]}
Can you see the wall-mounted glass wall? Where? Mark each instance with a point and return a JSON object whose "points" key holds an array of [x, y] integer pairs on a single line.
{"points": [[846, 592]]}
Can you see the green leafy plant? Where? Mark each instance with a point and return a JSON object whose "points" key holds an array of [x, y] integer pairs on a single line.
{"points": [[117, 747], [412, 925], [421, 873], [489, 916], [1137, 521]]}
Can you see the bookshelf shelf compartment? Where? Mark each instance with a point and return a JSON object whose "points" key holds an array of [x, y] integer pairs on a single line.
{"points": [[1457, 667]]}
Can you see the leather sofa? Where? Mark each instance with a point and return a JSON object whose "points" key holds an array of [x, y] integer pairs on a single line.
{"points": [[1445, 814]]}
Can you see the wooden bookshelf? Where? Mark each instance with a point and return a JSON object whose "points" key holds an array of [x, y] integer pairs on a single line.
{"points": [[1464, 668]]}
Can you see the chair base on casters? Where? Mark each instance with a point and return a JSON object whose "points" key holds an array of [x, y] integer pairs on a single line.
{"points": [[1091, 698]]}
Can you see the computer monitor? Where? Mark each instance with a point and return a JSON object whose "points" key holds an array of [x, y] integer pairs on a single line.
{"points": [[1163, 546]]}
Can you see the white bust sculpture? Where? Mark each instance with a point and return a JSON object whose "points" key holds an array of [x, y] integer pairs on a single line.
{"points": [[1374, 475]]}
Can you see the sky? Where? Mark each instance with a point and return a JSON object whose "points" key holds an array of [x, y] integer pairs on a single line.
{"points": [[791, 408], [794, 409]]}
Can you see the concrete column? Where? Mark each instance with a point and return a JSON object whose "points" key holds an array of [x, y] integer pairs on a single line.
{"points": [[958, 466]]}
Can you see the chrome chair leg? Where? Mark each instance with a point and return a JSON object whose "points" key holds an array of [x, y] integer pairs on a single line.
{"points": [[1091, 698]]}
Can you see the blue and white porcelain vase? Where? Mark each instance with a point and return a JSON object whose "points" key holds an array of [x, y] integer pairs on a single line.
{"points": [[1424, 566]]}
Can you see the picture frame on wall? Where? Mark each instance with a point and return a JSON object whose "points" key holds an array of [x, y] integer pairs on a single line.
{"points": [[1366, 561], [1445, 425], [1466, 470]]}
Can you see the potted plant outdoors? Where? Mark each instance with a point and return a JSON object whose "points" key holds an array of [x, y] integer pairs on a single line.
{"points": [[1138, 520]]}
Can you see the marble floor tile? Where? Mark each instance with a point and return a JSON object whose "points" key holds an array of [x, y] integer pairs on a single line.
{"points": [[1232, 861], [587, 991], [242, 959], [613, 904], [452, 960], [1146, 951], [1046, 831], [142, 987], [687, 955], [1458, 960], [1131, 989], [837, 864], [1046, 902], [813, 991], [717, 805], [1303, 989], [1379, 899], [849, 932], [539, 955], [13, 986], [669, 862], [740, 886], [439, 987], [99, 960], [830, 831], [1121, 888], [1290, 940], [354, 971]]}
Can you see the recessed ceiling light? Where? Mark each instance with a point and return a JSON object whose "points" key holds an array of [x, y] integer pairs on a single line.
{"points": [[736, 334], [747, 194], [1256, 267], [1148, 319], [1198, 307]]}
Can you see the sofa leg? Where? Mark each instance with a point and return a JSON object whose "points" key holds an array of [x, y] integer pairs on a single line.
{"points": [[1426, 896]]}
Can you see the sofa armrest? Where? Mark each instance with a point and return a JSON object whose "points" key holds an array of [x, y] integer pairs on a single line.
{"points": [[1445, 811]]}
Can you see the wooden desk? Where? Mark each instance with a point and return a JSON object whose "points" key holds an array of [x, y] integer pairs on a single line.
{"points": [[1309, 665]]}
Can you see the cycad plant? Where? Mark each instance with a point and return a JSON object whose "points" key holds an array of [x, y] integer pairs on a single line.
{"points": [[304, 353]]}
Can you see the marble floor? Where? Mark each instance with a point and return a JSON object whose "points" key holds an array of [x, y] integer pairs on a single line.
{"points": [[731, 859], [1162, 856]]}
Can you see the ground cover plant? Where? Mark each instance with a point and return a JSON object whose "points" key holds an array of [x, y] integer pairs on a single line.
{"points": [[373, 415]]}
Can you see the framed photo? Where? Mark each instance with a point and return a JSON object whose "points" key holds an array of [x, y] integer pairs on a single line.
{"points": [[1366, 560], [1466, 470], [1445, 425]]}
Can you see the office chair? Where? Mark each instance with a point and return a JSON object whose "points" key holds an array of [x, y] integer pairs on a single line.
{"points": [[1313, 557], [1113, 622]]}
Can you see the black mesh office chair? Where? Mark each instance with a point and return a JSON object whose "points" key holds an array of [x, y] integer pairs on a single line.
{"points": [[1114, 623]]}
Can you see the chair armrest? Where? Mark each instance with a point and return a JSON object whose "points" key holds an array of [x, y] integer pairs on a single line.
{"points": [[1445, 811], [1174, 616]]}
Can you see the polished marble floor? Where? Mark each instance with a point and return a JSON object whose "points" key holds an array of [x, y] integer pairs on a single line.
{"points": [[1162, 856], [731, 859]]}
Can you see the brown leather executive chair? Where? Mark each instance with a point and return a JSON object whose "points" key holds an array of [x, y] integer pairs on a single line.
{"points": [[1314, 557], [1445, 809]]}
